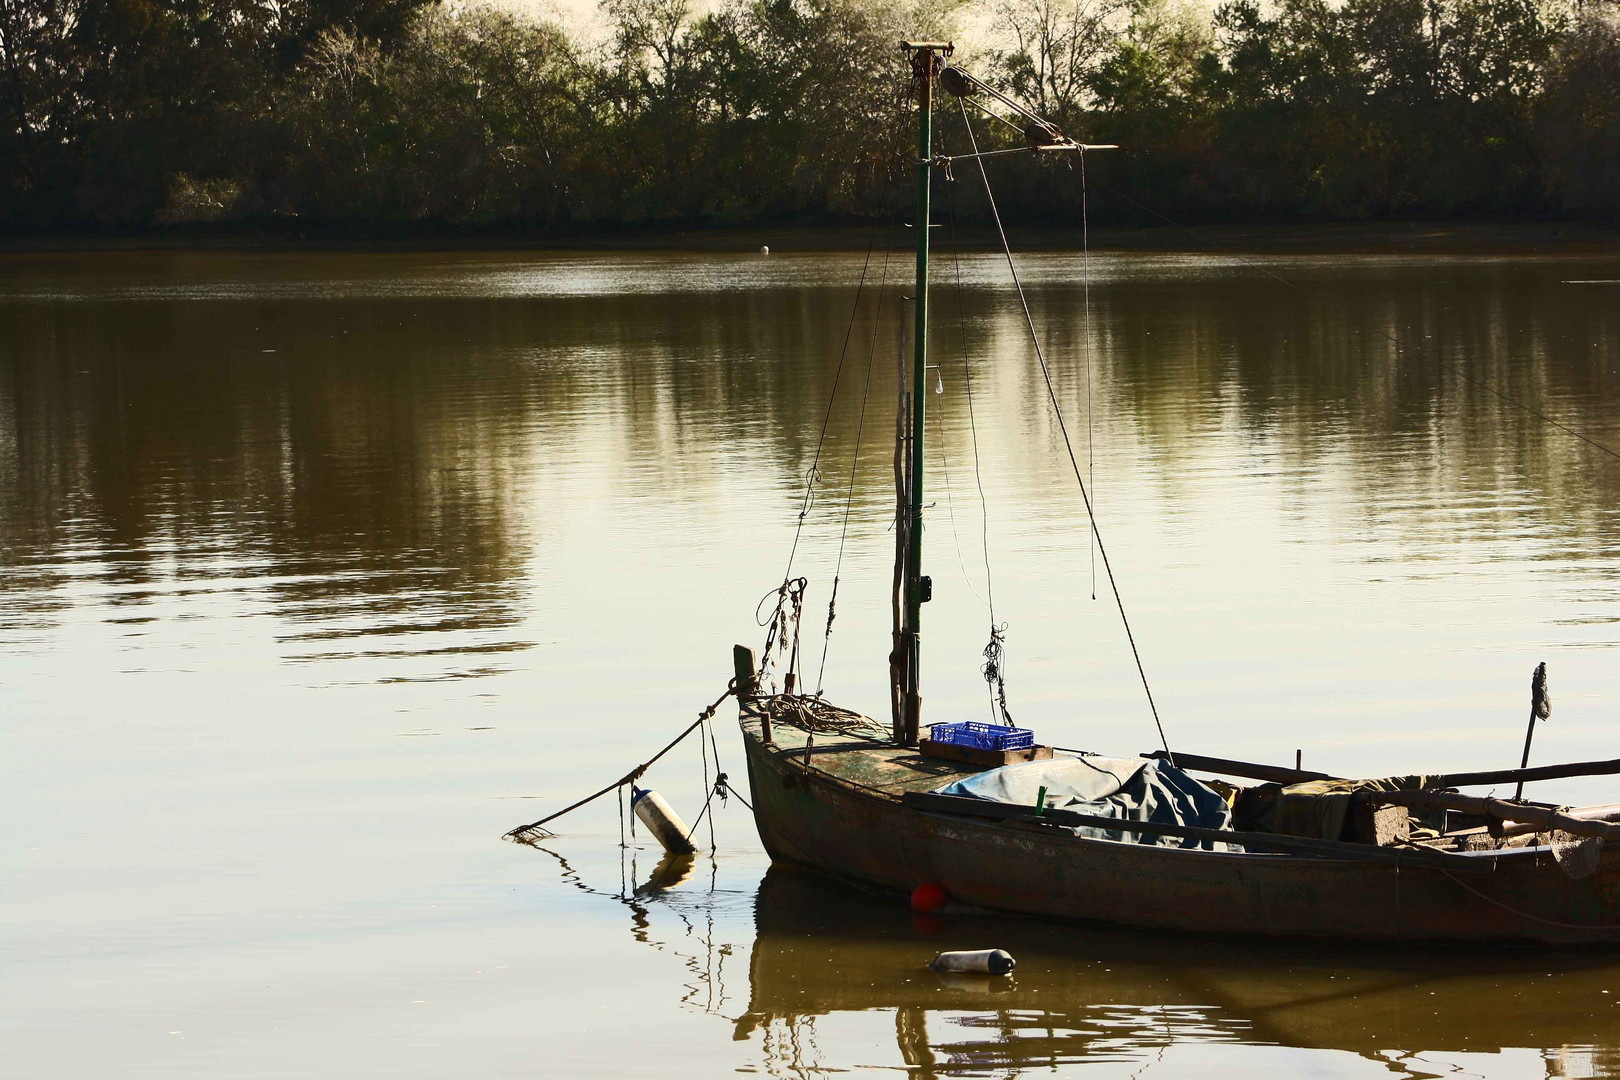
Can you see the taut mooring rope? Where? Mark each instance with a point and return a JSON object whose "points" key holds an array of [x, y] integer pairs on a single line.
{"points": [[533, 830]]}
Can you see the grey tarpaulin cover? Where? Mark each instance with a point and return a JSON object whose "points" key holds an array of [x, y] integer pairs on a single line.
{"points": [[1132, 789]]}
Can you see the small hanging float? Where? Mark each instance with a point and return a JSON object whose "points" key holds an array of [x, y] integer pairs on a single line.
{"points": [[654, 811]]}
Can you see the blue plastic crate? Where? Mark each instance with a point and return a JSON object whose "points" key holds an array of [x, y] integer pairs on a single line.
{"points": [[982, 736]]}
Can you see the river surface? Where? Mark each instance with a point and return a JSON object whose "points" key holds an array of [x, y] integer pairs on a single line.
{"points": [[322, 571]]}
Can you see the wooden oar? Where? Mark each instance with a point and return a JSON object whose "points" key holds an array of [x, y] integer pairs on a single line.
{"points": [[1501, 809], [1605, 812]]}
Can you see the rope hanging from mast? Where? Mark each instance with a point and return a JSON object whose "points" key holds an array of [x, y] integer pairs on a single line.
{"points": [[783, 621], [1085, 263], [1057, 409], [994, 669]]}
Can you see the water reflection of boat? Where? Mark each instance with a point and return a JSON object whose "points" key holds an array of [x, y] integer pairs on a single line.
{"points": [[1082, 995]]}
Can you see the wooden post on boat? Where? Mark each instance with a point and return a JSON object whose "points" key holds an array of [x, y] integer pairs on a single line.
{"points": [[927, 61], [1540, 709], [746, 669]]}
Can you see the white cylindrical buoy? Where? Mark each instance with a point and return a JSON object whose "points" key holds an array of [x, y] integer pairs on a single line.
{"points": [[978, 962], [662, 821]]}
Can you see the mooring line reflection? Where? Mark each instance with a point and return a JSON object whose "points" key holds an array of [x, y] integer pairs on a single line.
{"points": [[824, 954], [704, 957]]}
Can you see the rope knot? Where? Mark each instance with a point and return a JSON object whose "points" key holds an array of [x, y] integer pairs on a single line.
{"points": [[993, 676]]}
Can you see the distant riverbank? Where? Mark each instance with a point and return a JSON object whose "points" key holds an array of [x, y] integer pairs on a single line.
{"points": [[1359, 237]]}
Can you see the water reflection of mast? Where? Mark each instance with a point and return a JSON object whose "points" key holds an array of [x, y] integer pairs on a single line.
{"points": [[911, 1032]]}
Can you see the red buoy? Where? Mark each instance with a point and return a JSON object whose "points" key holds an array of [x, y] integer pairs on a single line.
{"points": [[929, 896]]}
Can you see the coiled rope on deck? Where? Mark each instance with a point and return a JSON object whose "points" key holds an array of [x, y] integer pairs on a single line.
{"points": [[815, 715]]}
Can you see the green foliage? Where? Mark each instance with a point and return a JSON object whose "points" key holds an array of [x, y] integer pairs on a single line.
{"points": [[470, 119], [386, 112], [1579, 114]]}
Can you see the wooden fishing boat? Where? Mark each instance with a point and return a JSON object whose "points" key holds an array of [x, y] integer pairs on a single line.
{"points": [[859, 800], [857, 809]]}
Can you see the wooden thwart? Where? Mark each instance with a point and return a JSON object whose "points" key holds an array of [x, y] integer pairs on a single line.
{"points": [[1292, 845]]}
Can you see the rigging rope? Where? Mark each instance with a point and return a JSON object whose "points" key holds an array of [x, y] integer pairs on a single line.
{"points": [[703, 749], [1085, 262], [789, 610], [814, 473], [855, 460], [1051, 392], [945, 473], [988, 111], [995, 668]]}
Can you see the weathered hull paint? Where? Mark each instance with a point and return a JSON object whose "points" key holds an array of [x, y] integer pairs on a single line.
{"points": [[814, 819]]}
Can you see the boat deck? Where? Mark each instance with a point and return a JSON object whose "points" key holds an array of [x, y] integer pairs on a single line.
{"points": [[859, 758]]}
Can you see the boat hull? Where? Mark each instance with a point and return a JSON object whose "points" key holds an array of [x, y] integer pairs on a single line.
{"points": [[816, 819]]}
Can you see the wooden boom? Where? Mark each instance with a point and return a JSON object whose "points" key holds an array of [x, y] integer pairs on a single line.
{"points": [[1281, 774], [1249, 770], [1540, 772]]}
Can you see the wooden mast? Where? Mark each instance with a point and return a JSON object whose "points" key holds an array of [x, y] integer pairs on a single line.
{"points": [[927, 60]]}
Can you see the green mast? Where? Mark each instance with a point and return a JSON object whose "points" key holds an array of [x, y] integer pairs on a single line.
{"points": [[927, 59]]}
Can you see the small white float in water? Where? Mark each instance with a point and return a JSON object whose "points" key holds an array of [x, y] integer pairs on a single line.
{"points": [[977, 962]]}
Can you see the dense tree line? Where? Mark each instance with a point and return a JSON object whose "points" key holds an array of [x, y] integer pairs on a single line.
{"points": [[337, 113]]}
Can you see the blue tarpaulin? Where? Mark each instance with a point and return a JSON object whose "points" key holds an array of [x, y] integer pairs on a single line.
{"points": [[1132, 789]]}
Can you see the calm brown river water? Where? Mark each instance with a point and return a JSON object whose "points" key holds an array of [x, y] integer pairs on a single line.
{"points": [[321, 571]]}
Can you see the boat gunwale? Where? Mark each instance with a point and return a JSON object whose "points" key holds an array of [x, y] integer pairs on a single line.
{"points": [[793, 760]]}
